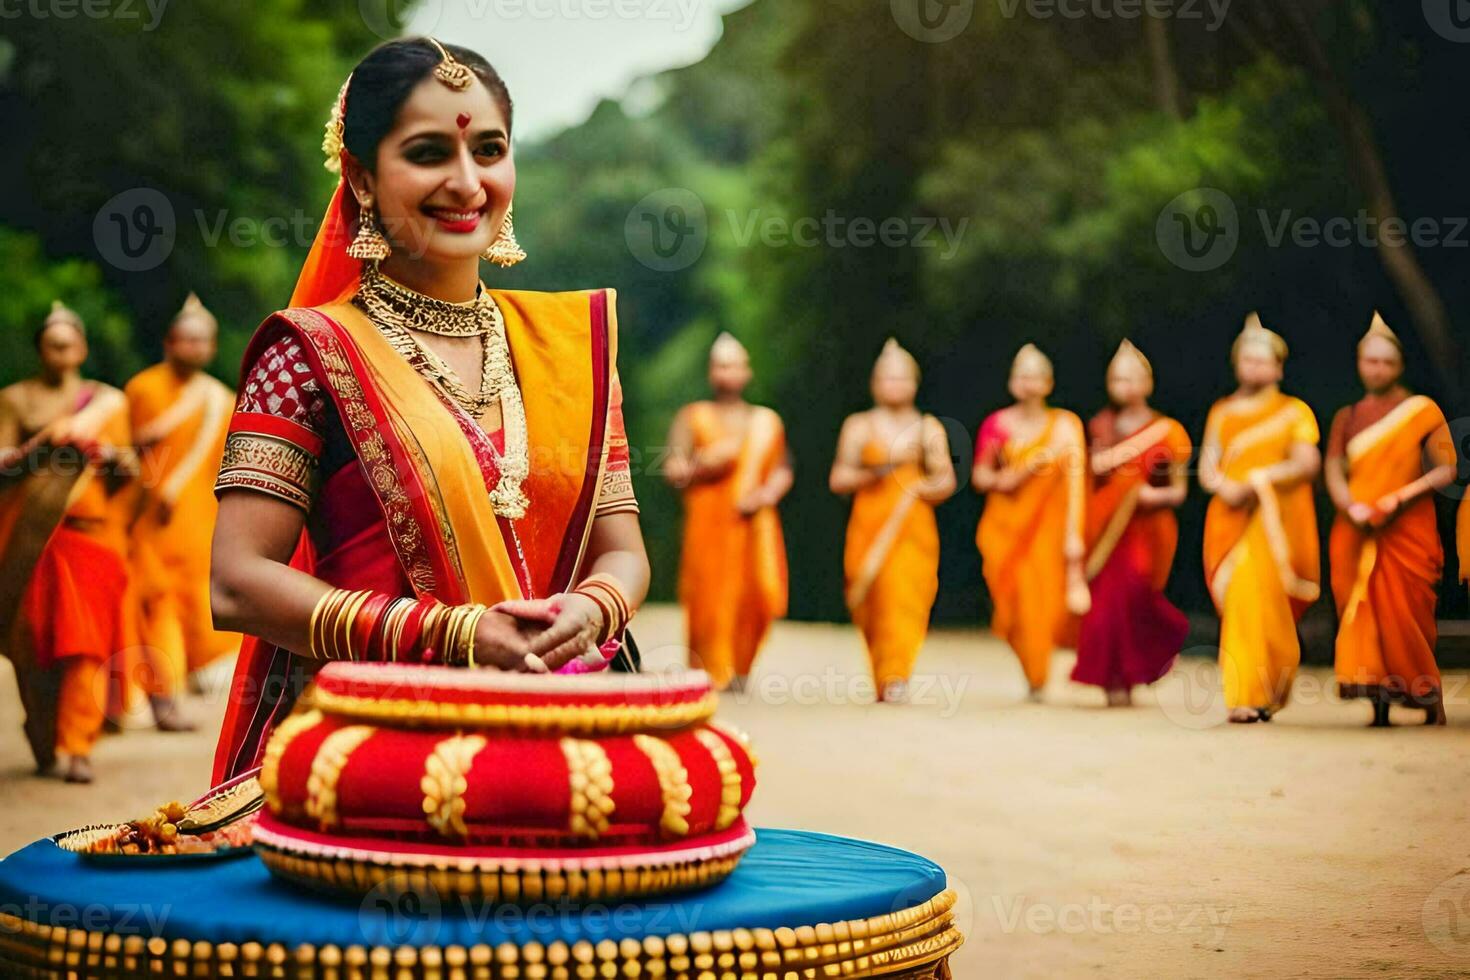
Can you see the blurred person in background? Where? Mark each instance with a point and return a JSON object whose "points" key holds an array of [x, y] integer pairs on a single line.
{"points": [[894, 461], [179, 417], [1132, 634], [1387, 454], [1031, 466], [67, 482], [1261, 554], [728, 459]]}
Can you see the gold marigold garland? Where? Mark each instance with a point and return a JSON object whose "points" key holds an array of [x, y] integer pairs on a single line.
{"points": [[270, 762], [729, 777], [589, 772], [673, 782], [326, 770], [445, 781]]}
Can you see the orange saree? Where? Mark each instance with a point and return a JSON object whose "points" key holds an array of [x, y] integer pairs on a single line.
{"points": [[1023, 535], [1262, 563], [1132, 633], [66, 614], [891, 567], [1384, 580], [425, 476], [179, 426], [732, 573]]}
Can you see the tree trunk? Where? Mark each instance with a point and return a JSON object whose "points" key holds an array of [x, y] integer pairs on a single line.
{"points": [[1161, 59], [1400, 262]]}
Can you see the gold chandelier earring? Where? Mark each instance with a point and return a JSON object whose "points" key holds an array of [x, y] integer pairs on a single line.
{"points": [[369, 245], [505, 250]]}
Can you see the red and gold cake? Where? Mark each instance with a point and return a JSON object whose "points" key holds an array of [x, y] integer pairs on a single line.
{"points": [[505, 786]]}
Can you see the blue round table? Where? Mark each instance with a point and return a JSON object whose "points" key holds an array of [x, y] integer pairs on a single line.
{"points": [[799, 905]]}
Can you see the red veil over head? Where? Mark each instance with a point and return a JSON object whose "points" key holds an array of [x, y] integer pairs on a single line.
{"points": [[329, 273]]}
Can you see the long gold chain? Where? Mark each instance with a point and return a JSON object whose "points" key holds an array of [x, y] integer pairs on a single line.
{"points": [[394, 309]]}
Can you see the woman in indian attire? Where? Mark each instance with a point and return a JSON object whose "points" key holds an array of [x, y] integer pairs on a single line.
{"points": [[729, 460], [894, 461], [1386, 456], [1031, 465], [67, 493], [1132, 633], [1261, 555], [420, 468]]}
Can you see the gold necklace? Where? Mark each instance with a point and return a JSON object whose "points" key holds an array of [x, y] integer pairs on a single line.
{"points": [[393, 302], [398, 320]]}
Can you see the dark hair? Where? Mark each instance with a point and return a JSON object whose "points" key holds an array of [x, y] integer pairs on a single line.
{"points": [[382, 81]]}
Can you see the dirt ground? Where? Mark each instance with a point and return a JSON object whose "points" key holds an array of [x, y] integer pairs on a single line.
{"points": [[1084, 841]]}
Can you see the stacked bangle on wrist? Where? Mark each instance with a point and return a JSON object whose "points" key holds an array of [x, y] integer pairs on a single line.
{"points": [[364, 625], [607, 593]]}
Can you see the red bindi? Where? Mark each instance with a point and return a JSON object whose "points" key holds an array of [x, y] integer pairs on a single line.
{"points": [[463, 119]]}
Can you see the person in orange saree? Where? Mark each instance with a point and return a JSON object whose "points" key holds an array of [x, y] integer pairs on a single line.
{"points": [[1462, 538], [1132, 634], [419, 468], [1031, 465], [1387, 454], [179, 415], [66, 481], [729, 459], [894, 461], [1261, 555]]}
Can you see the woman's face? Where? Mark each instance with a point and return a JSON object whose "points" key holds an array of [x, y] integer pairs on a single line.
{"points": [[1028, 384], [445, 176], [1128, 384]]}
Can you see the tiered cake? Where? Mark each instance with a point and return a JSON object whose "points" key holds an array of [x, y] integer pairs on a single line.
{"points": [[503, 786]]}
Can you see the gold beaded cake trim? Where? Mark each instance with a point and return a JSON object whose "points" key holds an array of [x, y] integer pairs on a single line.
{"points": [[729, 777], [326, 769], [589, 772], [270, 762], [673, 782], [446, 780], [911, 943], [571, 719]]}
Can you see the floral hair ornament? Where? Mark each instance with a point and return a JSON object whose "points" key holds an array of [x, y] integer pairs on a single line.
{"points": [[452, 73], [332, 144]]}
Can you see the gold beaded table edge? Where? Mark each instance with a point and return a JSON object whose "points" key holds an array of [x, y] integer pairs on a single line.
{"points": [[911, 944]]}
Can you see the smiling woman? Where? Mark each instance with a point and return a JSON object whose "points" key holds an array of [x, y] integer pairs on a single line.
{"points": [[421, 468]]}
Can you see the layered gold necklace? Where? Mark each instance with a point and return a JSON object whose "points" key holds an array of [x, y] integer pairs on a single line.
{"points": [[401, 313]]}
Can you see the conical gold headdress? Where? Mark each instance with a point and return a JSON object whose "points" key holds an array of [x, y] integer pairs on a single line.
{"points": [[1030, 358], [60, 311], [1255, 332], [194, 308], [894, 354], [727, 348], [1129, 354], [1380, 328]]}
